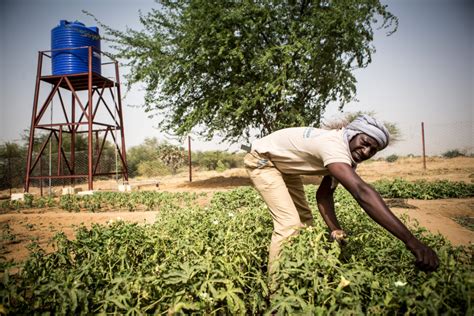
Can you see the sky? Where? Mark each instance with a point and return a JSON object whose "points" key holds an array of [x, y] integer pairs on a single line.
{"points": [[422, 73]]}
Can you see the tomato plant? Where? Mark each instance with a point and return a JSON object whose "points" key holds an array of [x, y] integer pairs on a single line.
{"points": [[213, 260], [422, 189]]}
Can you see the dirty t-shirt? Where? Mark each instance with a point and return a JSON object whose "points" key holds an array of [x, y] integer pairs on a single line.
{"points": [[304, 150]]}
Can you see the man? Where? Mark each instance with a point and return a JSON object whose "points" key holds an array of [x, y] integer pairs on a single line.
{"points": [[275, 165]]}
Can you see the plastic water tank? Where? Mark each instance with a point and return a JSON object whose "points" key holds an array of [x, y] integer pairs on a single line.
{"points": [[69, 35]]}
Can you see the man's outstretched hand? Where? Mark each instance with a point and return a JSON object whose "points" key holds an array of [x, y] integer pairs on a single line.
{"points": [[426, 258], [338, 235]]}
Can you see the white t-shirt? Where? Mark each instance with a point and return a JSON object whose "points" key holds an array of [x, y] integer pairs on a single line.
{"points": [[304, 150]]}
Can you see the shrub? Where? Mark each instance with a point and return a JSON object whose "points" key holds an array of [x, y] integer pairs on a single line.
{"points": [[209, 160], [166, 158], [452, 154], [466, 221], [152, 168], [221, 166], [392, 158]]}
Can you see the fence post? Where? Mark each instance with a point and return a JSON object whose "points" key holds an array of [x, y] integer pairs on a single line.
{"points": [[41, 174], [423, 142], [189, 160], [9, 174]]}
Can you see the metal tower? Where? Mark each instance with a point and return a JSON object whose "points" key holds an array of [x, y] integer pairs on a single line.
{"points": [[89, 94]]}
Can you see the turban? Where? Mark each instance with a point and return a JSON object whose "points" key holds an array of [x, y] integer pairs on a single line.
{"points": [[370, 126]]}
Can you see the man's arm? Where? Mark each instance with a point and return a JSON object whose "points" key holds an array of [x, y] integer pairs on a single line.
{"points": [[325, 201], [375, 207]]}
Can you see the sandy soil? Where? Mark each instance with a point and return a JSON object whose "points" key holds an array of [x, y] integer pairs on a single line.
{"points": [[19, 228], [455, 169], [437, 216]]}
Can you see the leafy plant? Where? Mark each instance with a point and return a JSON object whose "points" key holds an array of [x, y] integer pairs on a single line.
{"points": [[69, 202], [28, 200], [422, 189], [466, 221], [212, 260]]}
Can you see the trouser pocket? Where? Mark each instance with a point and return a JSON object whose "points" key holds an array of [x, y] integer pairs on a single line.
{"points": [[254, 160]]}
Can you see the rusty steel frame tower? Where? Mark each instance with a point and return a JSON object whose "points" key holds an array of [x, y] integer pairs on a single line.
{"points": [[79, 117]]}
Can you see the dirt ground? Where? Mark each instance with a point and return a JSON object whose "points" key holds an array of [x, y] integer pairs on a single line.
{"points": [[20, 228]]}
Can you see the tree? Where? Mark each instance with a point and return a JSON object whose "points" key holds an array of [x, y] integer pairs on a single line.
{"points": [[12, 165], [108, 160], [344, 120], [172, 156], [209, 160], [148, 151], [153, 158], [232, 67], [81, 142]]}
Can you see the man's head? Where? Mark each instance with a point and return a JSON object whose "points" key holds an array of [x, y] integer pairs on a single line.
{"points": [[363, 147], [366, 136]]}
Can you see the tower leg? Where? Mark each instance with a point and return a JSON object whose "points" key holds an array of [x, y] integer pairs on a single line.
{"points": [[73, 138], [90, 157], [33, 123], [122, 129]]}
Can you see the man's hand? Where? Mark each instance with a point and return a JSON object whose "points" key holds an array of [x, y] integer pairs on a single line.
{"points": [[375, 207], [426, 258], [338, 235]]}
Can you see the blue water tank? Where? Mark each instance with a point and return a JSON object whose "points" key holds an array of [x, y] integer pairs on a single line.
{"points": [[69, 35]]}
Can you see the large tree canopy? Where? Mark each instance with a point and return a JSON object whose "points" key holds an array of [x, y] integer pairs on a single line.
{"points": [[233, 67]]}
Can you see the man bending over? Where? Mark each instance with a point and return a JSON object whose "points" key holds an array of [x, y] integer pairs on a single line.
{"points": [[277, 161]]}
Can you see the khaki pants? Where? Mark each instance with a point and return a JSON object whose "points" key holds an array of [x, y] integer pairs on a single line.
{"points": [[284, 196]]}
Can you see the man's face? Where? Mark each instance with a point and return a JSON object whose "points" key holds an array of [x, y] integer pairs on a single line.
{"points": [[363, 147]]}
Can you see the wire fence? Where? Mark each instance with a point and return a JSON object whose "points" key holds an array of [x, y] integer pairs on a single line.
{"points": [[13, 171], [440, 138]]}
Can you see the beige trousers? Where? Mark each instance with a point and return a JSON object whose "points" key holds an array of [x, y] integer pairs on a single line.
{"points": [[284, 196]]}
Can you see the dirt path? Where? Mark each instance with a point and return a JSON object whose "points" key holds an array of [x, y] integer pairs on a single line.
{"points": [[411, 168], [437, 216]]}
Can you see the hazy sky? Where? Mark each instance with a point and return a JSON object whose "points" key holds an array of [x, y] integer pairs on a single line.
{"points": [[422, 73]]}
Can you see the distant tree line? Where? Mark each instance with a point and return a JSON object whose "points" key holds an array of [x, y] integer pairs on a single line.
{"points": [[152, 158], [13, 158], [12, 165]]}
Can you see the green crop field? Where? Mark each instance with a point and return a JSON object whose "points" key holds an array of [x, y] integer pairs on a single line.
{"points": [[213, 260]]}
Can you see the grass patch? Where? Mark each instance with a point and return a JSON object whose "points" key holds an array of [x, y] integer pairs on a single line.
{"points": [[465, 221]]}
